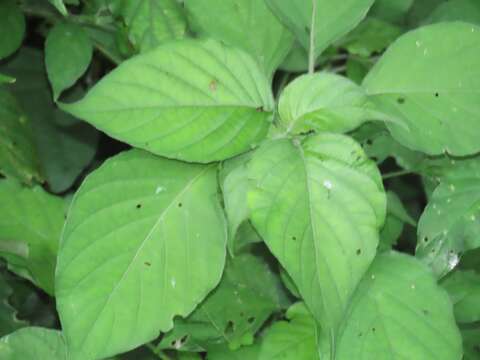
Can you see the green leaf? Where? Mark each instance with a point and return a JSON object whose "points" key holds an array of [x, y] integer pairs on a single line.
{"points": [[33, 343], [65, 146], [64, 71], [8, 314], [292, 340], [393, 11], [371, 36], [450, 223], [234, 182], [464, 290], [319, 206], [18, 158], [153, 22], [144, 241], [224, 353], [457, 10], [471, 343], [4, 79], [60, 6], [12, 27], [249, 25], [323, 102], [438, 94], [245, 298], [31, 221], [333, 19], [210, 108], [399, 312]]}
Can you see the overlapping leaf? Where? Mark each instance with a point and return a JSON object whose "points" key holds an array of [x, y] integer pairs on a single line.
{"points": [[12, 27], [399, 312], [33, 343], [191, 100], [144, 236], [464, 290], [319, 206], [428, 78]]}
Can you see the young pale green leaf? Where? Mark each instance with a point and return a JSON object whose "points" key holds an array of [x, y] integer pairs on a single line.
{"points": [[437, 95], [249, 25], [12, 27], [31, 221], [247, 295], [144, 241], [333, 19], [464, 290], [68, 52], [33, 343], [456, 10], [153, 22], [319, 206], [65, 145], [17, 148], [399, 312], [234, 182], [292, 340], [323, 102], [450, 223], [191, 100], [8, 315]]}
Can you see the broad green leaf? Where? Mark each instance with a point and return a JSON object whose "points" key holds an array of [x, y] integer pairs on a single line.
{"points": [[319, 206], [33, 343], [397, 216], [64, 71], [371, 36], [292, 340], [31, 221], [8, 314], [249, 25], [450, 223], [420, 10], [333, 19], [144, 241], [65, 146], [323, 102], [234, 183], [60, 6], [438, 94], [191, 100], [18, 158], [464, 290], [399, 312], [153, 22], [393, 11], [457, 10], [247, 295], [12, 27], [471, 343], [224, 353]]}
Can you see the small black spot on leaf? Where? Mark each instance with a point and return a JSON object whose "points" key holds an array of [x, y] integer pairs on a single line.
{"points": [[373, 329], [139, 206], [401, 100], [147, 263], [437, 94], [294, 238], [251, 320], [359, 251], [180, 204]]}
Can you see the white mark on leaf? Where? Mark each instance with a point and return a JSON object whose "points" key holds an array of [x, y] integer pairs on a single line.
{"points": [[159, 189], [328, 184], [173, 282]]}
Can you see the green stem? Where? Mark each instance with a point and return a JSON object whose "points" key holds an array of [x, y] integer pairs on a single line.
{"points": [[397, 174], [311, 59]]}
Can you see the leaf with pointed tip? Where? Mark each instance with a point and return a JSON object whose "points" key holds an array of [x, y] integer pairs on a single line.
{"points": [[333, 19], [12, 27], [153, 22], [292, 340], [31, 221], [144, 241], [60, 6], [464, 290], [323, 102], [249, 25], [18, 158], [191, 100], [33, 343], [319, 206], [399, 312], [450, 223], [437, 96], [64, 71]]}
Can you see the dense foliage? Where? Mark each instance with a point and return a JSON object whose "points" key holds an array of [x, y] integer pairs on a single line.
{"points": [[240, 179]]}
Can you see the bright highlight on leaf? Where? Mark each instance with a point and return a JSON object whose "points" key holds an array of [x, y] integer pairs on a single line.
{"points": [[211, 108], [144, 236]]}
